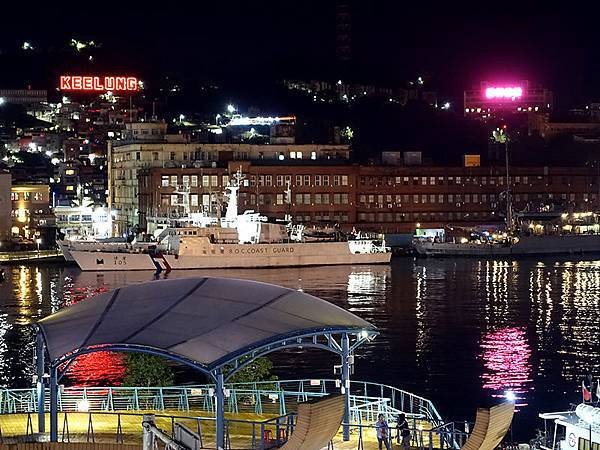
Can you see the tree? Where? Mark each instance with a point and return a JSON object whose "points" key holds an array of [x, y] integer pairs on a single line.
{"points": [[147, 370], [257, 370]]}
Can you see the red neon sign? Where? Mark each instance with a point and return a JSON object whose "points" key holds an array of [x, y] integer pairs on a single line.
{"points": [[504, 92], [91, 83]]}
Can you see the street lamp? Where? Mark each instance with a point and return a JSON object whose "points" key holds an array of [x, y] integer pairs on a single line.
{"points": [[38, 241]]}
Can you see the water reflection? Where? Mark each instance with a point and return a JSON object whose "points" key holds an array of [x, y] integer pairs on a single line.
{"points": [[457, 331], [507, 366]]}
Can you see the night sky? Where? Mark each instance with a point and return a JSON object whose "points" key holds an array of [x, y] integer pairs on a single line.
{"points": [[246, 42]]}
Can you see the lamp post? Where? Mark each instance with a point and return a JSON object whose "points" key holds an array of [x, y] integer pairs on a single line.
{"points": [[38, 241]]}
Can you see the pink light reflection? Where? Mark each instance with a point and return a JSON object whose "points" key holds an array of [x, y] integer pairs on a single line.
{"points": [[506, 358], [504, 92]]}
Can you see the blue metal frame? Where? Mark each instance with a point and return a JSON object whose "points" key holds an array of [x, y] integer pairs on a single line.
{"points": [[239, 359]]}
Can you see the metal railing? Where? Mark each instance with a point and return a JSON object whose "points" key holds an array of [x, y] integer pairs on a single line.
{"points": [[367, 399], [127, 427]]}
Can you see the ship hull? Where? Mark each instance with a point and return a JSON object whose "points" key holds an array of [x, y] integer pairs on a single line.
{"points": [[526, 246], [233, 256]]}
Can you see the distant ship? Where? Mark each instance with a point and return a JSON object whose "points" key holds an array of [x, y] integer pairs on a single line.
{"points": [[247, 240]]}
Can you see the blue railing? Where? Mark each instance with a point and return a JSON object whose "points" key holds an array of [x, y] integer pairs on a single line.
{"points": [[367, 399]]}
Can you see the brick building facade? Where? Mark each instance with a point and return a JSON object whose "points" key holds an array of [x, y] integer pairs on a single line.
{"points": [[380, 198]]}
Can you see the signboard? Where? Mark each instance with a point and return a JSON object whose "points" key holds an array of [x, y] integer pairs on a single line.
{"points": [[504, 92], [472, 160], [98, 84]]}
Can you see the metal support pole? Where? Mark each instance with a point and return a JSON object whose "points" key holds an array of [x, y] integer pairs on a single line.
{"points": [[220, 409], [39, 363], [148, 436], [53, 405], [346, 384]]}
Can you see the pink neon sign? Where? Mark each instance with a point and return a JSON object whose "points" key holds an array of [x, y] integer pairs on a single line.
{"points": [[504, 92]]}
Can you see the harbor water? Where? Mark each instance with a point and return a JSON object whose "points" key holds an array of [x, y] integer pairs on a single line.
{"points": [[460, 332]]}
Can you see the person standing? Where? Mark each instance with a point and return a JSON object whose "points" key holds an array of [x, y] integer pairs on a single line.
{"points": [[403, 431], [383, 432]]}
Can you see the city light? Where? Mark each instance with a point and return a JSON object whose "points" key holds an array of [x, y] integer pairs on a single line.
{"points": [[510, 396], [83, 405], [2, 100], [231, 109], [504, 92], [92, 83]]}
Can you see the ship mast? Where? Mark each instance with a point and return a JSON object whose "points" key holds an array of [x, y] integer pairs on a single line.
{"points": [[509, 209]]}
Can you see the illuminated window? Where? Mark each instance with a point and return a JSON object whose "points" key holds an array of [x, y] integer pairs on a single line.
{"points": [[38, 196], [70, 188], [214, 180], [279, 180], [279, 199], [269, 180], [194, 180], [336, 180], [14, 196], [299, 155], [313, 155], [173, 180], [298, 199], [317, 180], [174, 199], [26, 196], [69, 172], [164, 180], [194, 200], [344, 180], [205, 180], [186, 180], [306, 180], [325, 180], [318, 199], [298, 180], [307, 199]]}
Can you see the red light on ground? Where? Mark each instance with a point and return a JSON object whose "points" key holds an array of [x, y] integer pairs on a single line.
{"points": [[99, 84], [504, 92]]}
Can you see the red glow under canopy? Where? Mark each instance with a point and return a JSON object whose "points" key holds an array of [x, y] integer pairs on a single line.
{"points": [[504, 92], [92, 83]]}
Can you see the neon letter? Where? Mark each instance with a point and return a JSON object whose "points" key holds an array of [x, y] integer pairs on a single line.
{"points": [[77, 83], [109, 83], [121, 84], [131, 84], [97, 85], [65, 82], [88, 83]]}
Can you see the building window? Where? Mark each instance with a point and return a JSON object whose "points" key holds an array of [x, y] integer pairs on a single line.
{"points": [[299, 155], [298, 199], [318, 199], [38, 196], [225, 180], [423, 198], [292, 155], [440, 198], [173, 180], [214, 180], [174, 199], [69, 188], [416, 198], [172, 157], [344, 180], [336, 180], [194, 199], [298, 180], [280, 199], [155, 156], [269, 180], [261, 180], [423, 181], [194, 180], [317, 180], [279, 180], [205, 181], [432, 181], [432, 198], [186, 180], [14, 196], [457, 180], [306, 180], [307, 199], [138, 156], [27, 196], [325, 180]]}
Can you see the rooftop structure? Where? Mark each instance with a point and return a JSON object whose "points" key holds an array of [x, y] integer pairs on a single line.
{"points": [[214, 325]]}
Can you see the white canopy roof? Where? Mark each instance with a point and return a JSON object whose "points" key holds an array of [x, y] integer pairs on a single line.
{"points": [[203, 320]]}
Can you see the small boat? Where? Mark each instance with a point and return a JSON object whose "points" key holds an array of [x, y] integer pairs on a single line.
{"points": [[576, 429]]}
